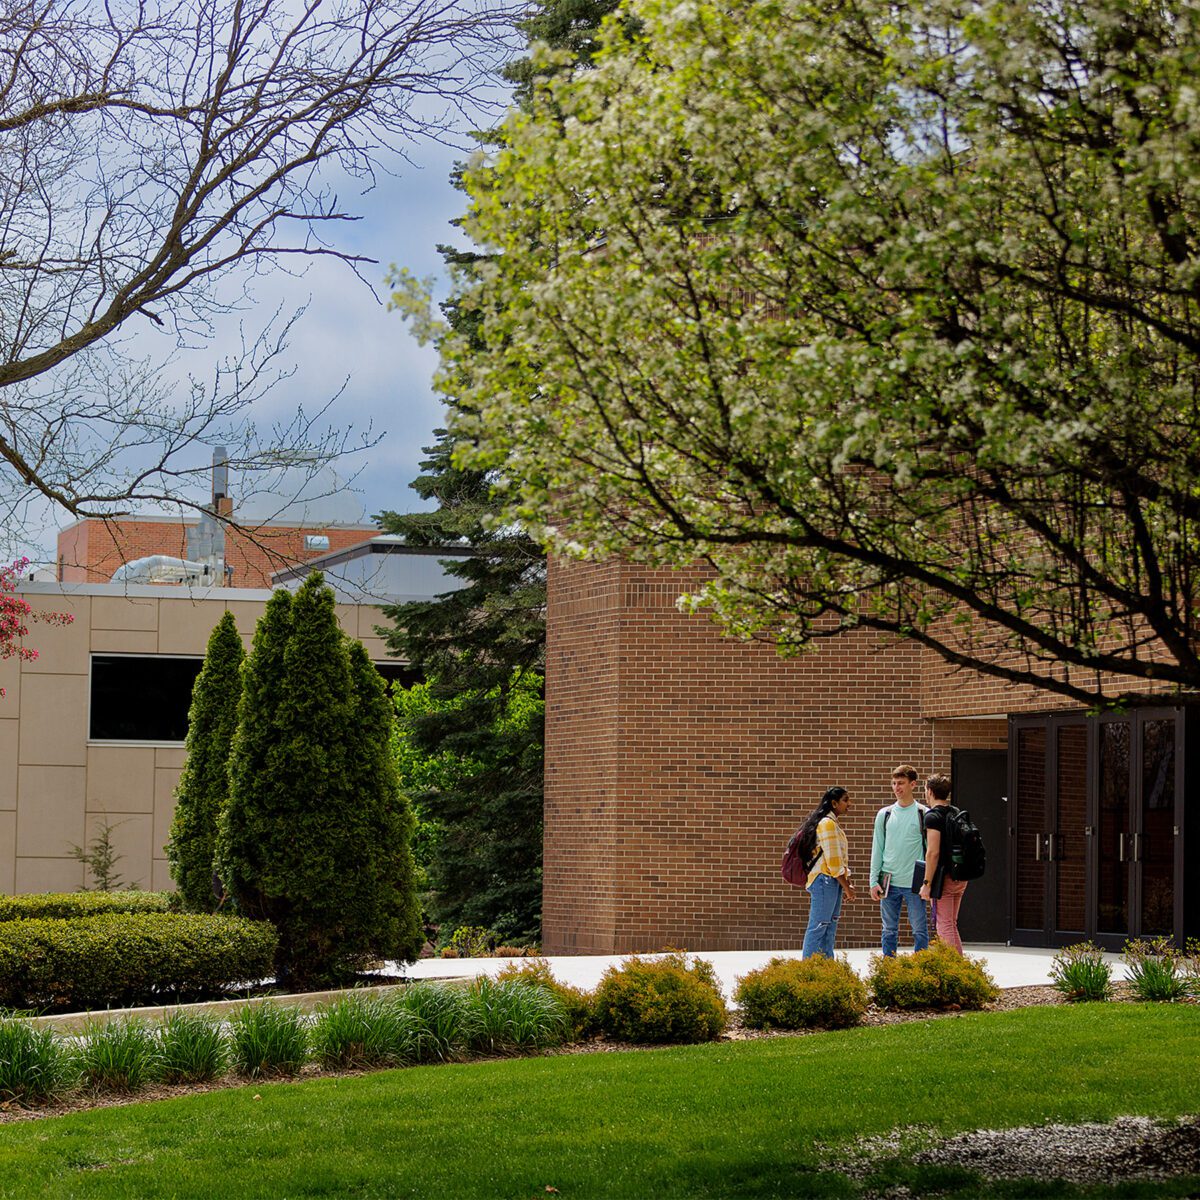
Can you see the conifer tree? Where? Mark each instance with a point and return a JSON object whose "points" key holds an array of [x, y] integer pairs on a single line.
{"points": [[315, 837], [204, 783]]}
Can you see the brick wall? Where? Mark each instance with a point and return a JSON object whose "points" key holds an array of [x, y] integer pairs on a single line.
{"points": [[90, 551], [679, 763]]}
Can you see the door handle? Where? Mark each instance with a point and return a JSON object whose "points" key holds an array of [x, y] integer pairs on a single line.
{"points": [[1037, 847], [1052, 847], [1120, 847], [1137, 848]]}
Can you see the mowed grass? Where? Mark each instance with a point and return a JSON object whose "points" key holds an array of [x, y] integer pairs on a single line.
{"points": [[731, 1119]]}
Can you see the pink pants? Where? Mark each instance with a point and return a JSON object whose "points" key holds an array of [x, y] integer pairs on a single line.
{"points": [[945, 913]]}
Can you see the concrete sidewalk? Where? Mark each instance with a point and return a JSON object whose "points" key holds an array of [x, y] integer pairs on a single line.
{"points": [[1009, 966]]}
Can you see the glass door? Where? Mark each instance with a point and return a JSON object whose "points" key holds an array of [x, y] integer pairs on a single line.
{"points": [[1155, 822], [1068, 844], [1114, 841]]}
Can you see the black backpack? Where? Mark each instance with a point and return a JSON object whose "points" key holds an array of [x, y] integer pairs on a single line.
{"points": [[968, 857]]}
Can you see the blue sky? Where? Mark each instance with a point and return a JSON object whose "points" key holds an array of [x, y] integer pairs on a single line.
{"points": [[346, 339]]}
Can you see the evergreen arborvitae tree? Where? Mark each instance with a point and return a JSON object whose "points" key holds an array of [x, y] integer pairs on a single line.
{"points": [[315, 839], [479, 645], [204, 783], [253, 757], [386, 877]]}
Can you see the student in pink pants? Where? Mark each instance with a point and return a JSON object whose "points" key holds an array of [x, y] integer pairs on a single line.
{"points": [[944, 892]]}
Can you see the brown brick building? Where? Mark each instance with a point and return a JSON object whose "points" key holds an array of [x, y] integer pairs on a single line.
{"points": [[679, 762]]}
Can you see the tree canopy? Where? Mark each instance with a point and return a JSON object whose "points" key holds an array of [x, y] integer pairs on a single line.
{"points": [[889, 314], [149, 151]]}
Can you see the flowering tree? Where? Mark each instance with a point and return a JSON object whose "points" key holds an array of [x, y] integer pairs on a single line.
{"points": [[15, 616], [890, 314]]}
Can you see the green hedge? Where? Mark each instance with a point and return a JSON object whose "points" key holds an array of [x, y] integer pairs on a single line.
{"points": [[125, 959], [82, 904]]}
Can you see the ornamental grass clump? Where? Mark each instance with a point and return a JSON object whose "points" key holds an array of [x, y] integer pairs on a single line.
{"points": [[35, 1065], [1156, 970], [579, 1005], [511, 1015], [117, 1056], [268, 1039], [439, 1019], [362, 1031], [662, 999], [939, 977], [1080, 973], [790, 993], [192, 1048]]}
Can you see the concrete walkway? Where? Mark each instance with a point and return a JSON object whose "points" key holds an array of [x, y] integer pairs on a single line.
{"points": [[1009, 966]]}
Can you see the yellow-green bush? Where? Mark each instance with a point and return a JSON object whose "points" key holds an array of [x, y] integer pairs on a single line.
{"points": [[578, 1004], [939, 977], [662, 999], [122, 959], [64, 905], [789, 993]]}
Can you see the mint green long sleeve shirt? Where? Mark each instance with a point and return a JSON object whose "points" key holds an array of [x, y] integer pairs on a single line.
{"points": [[896, 843]]}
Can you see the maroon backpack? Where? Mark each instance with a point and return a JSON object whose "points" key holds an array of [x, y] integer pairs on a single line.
{"points": [[795, 867]]}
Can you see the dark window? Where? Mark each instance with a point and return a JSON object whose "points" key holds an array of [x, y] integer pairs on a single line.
{"points": [[399, 673], [137, 699]]}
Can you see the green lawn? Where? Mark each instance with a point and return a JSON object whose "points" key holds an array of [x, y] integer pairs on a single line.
{"points": [[739, 1120]]}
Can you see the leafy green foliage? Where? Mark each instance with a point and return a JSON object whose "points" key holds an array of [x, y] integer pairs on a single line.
{"points": [[315, 836], [357, 1031], [513, 1016], [890, 326], [204, 783], [1157, 971], [438, 1017], [73, 905], [191, 1048], [939, 977], [664, 999], [120, 959], [789, 993], [480, 795], [35, 1065], [579, 1005], [100, 857], [117, 1056], [268, 1039], [1079, 972]]}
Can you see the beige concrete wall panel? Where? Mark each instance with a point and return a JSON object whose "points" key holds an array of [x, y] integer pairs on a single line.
{"points": [[170, 757], [54, 720], [124, 612], [165, 781], [124, 641], [120, 779], [245, 616], [160, 876], [9, 731], [47, 875], [50, 811], [62, 649], [131, 836], [8, 858], [10, 681], [184, 626]]}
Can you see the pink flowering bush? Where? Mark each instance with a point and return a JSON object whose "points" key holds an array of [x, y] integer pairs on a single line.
{"points": [[15, 616]]}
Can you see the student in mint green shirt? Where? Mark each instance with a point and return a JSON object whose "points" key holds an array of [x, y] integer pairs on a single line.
{"points": [[896, 845]]}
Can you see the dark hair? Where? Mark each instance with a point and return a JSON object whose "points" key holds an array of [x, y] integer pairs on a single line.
{"points": [[939, 785], [808, 831]]}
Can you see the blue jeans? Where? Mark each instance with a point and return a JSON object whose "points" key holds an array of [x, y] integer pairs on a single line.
{"points": [[889, 910], [825, 906]]}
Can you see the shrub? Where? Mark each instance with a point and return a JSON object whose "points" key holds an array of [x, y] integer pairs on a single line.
{"points": [[191, 1048], [360, 1031], [510, 1015], [35, 1066], [1157, 971], [471, 941], [1080, 973], [439, 1019], [939, 977], [579, 1006], [790, 993], [268, 1039], [73, 905], [660, 1000], [117, 1056], [132, 958]]}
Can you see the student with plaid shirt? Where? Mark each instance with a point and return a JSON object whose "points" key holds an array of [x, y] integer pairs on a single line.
{"points": [[829, 876]]}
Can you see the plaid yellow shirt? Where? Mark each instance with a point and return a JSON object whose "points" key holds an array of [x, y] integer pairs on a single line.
{"points": [[835, 852]]}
